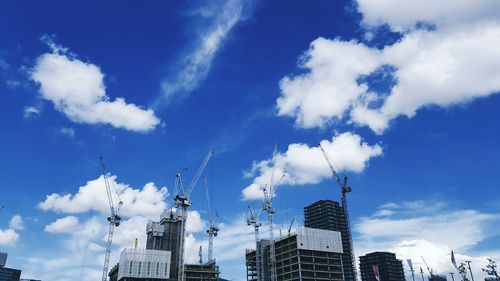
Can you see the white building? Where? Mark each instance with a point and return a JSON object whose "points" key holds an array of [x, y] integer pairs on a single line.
{"points": [[142, 263]]}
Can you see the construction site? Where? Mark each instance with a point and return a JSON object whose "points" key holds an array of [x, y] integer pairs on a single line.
{"points": [[320, 250]]}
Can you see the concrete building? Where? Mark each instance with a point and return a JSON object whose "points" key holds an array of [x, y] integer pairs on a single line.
{"points": [[8, 274], [309, 255], [164, 236], [329, 215], [202, 272], [389, 267], [141, 264]]}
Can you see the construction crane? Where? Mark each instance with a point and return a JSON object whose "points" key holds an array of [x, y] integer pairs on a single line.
{"points": [[212, 228], [114, 219], [428, 268], [182, 202], [290, 227], [267, 206], [200, 255], [254, 221], [344, 188]]}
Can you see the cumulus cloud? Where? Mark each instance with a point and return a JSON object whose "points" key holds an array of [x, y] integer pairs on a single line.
{"points": [[148, 201], [411, 230], [405, 15], [302, 164], [194, 66], [77, 89], [62, 225], [8, 237], [449, 64], [16, 222]]}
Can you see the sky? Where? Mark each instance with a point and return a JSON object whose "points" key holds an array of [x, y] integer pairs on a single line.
{"points": [[402, 95]]}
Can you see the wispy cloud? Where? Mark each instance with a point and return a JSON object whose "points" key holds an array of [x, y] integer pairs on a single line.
{"points": [[194, 66]]}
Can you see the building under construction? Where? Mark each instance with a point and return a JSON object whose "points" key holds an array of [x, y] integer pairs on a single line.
{"points": [[329, 215], [202, 272], [164, 235], [388, 266], [308, 255]]}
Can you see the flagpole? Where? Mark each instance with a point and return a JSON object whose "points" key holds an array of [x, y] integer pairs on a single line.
{"points": [[472, 276]]}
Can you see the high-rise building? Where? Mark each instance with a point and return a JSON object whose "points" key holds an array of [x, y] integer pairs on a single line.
{"points": [[308, 255], [329, 215], [165, 235], [388, 266]]}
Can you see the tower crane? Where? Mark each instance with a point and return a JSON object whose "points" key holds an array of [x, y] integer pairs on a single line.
{"points": [[212, 228], [290, 227], [182, 201], [344, 188], [267, 206], [114, 219], [428, 268], [253, 221]]}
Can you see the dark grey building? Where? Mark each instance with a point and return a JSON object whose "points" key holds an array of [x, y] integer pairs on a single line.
{"points": [[389, 267], [437, 278], [8, 274], [329, 215], [308, 255], [164, 236]]}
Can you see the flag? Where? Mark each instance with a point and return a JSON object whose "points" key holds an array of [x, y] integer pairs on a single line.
{"points": [[410, 264], [453, 261], [375, 272]]}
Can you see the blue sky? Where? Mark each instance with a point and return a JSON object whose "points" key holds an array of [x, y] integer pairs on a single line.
{"points": [[402, 95]]}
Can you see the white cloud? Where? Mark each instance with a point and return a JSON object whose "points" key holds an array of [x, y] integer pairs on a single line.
{"points": [[329, 89], [77, 89], [30, 111], [69, 132], [148, 201], [405, 15], [194, 222], [194, 67], [8, 237], [302, 164], [62, 225], [411, 230], [16, 222], [452, 64]]}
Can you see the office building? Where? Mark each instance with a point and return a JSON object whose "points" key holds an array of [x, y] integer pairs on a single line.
{"points": [[329, 215], [389, 267], [309, 255]]}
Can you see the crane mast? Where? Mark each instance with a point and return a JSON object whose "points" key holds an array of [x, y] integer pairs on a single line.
{"points": [[114, 220], [182, 201], [428, 268], [212, 229], [344, 188], [267, 207], [253, 221]]}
